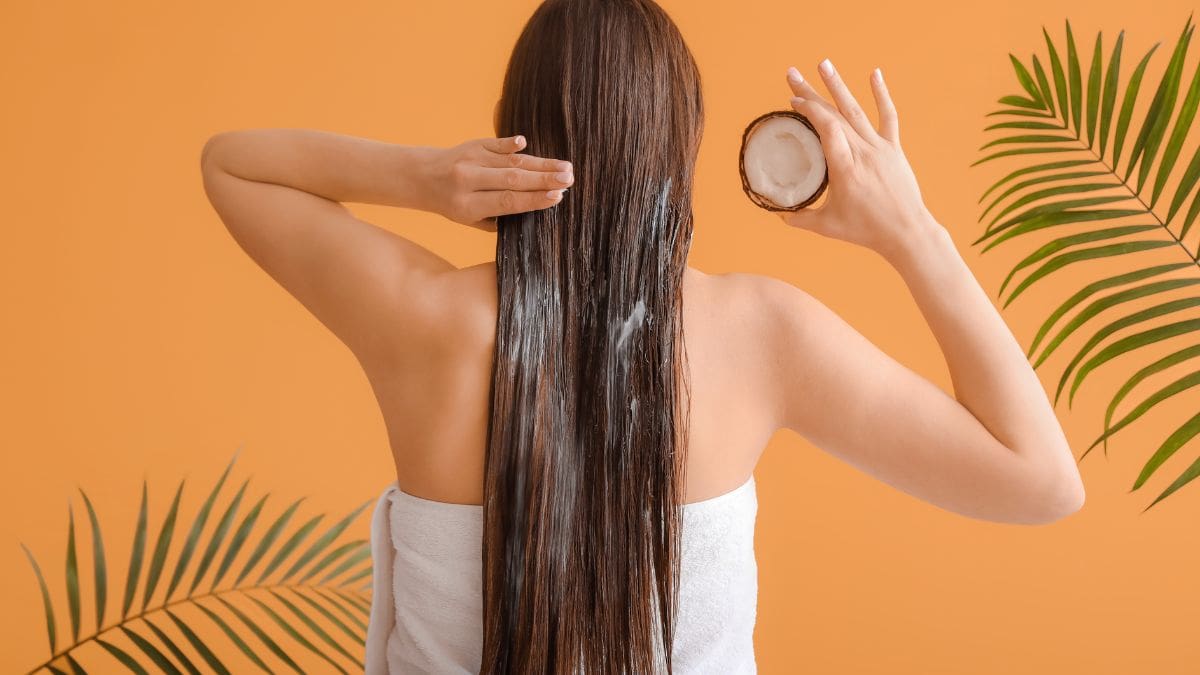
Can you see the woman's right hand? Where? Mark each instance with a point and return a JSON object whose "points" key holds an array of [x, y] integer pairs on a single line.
{"points": [[872, 198]]}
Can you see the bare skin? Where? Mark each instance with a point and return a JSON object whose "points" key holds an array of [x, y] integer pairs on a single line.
{"points": [[763, 354]]}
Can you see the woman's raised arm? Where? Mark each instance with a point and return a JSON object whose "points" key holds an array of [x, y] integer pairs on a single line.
{"points": [[993, 451]]}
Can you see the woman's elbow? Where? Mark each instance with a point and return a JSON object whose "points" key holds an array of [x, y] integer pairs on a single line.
{"points": [[1060, 499]]}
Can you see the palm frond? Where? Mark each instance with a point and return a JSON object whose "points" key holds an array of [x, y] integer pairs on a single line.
{"points": [[1092, 193], [299, 594]]}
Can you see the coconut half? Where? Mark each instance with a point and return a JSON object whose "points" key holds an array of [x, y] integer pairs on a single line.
{"points": [[781, 162]]}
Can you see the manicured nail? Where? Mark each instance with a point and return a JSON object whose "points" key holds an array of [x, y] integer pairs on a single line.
{"points": [[563, 177], [555, 194], [520, 140], [797, 100], [827, 67], [564, 166], [879, 75], [795, 74]]}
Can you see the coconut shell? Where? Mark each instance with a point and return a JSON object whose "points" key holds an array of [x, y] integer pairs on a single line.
{"points": [[758, 199]]}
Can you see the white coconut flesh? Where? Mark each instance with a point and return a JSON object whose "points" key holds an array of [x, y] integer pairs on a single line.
{"points": [[783, 161]]}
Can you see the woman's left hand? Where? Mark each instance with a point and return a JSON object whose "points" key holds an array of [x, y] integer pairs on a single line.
{"points": [[475, 181]]}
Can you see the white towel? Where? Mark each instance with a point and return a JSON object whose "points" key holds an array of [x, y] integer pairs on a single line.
{"points": [[426, 610]]}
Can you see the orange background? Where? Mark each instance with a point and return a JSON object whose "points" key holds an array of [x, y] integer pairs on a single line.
{"points": [[140, 341]]}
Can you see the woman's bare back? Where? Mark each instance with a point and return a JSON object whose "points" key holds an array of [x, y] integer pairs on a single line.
{"points": [[763, 354], [435, 396]]}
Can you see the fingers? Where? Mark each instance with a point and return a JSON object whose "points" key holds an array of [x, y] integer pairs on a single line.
{"points": [[486, 178], [802, 88], [503, 202], [503, 152], [846, 102], [504, 145], [831, 129], [889, 121]]}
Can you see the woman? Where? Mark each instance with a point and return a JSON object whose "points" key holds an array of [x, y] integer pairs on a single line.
{"points": [[575, 425]]}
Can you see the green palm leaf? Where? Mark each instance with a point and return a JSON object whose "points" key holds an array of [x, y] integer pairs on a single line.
{"points": [[1071, 240], [261, 635], [1159, 113], [1182, 384], [1074, 81], [357, 602], [76, 669], [1049, 166], [1175, 441], [268, 539], [193, 537], [1131, 92], [47, 606], [135, 557], [99, 565], [360, 575], [1058, 262], [1184, 188], [173, 648], [1090, 290], [160, 548], [1109, 97], [198, 644], [289, 546], [1038, 194], [1021, 113], [218, 536], [239, 540], [1104, 303], [1183, 124], [123, 656], [1140, 339], [1155, 367], [72, 575], [341, 605], [1093, 89], [1044, 89], [1132, 320], [333, 555], [151, 651], [295, 634], [326, 539], [345, 565], [1026, 80], [316, 628], [235, 638], [1065, 206], [1056, 218], [316, 607], [332, 618]]}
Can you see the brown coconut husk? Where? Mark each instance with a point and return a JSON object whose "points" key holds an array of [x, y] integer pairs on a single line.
{"points": [[758, 199]]}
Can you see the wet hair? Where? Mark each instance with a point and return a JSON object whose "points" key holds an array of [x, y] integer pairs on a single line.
{"points": [[587, 432]]}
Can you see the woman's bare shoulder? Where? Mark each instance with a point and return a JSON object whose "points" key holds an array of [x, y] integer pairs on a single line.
{"points": [[755, 297]]}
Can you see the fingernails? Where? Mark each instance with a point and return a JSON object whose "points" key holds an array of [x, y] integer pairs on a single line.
{"points": [[555, 194], [797, 100], [795, 74], [878, 75], [520, 140], [564, 166], [563, 177], [826, 67]]}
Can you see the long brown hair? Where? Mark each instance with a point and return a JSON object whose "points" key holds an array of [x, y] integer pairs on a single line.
{"points": [[587, 433]]}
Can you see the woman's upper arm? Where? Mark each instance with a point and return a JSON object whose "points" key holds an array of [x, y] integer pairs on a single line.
{"points": [[351, 274], [854, 401]]}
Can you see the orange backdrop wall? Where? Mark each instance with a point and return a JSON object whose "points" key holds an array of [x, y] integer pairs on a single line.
{"points": [[140, 342]]}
